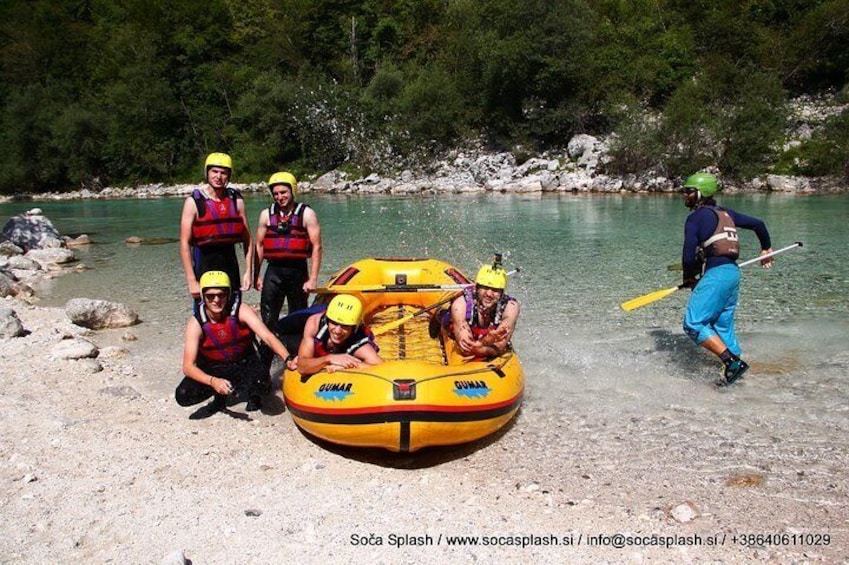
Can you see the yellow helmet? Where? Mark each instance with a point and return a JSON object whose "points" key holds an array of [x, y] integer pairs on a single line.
{"points": [[492, 276], [214, 279], [283, 178], [218, 160], [346, 310]]}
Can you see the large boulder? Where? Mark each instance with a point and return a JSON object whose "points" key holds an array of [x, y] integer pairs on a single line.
{"points": [[32, 230], [49, 259], [100, 314]]}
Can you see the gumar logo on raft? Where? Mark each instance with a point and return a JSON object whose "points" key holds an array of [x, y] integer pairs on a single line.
{"points": [[471, 389], [334, 391]]}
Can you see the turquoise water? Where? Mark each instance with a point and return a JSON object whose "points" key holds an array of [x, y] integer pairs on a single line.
{"points": [[580, 256]]}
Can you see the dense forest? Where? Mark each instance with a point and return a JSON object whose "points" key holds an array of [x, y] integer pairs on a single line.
{"points": [[117, 92]]}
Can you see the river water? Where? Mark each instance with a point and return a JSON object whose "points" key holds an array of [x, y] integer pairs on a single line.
{"points": [[580, 257]]}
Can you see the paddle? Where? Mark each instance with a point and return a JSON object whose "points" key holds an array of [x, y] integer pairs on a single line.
{"points": [[646, 299], [339, 289], [401, 321]]}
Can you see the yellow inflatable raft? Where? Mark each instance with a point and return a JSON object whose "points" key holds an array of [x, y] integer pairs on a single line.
{"points": [[425, 393]]}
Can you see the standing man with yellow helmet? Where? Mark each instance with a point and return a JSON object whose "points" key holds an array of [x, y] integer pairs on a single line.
{"points": [[288, 235], [337, 339], [213, 222], [484, 318]]}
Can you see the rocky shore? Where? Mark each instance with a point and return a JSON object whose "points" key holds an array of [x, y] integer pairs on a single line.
{"points": [[574, 169]]}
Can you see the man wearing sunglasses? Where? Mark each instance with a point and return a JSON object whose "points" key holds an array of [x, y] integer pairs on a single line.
{"points": [[219, 354], [711, 249]]}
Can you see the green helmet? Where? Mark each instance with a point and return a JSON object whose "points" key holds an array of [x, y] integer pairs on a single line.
{"points": [[705, 183]]}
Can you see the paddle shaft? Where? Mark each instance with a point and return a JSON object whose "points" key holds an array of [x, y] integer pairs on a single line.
{"points": [[337, 289], [771, 254], [647, 299], [401, 321], [754, 260]]}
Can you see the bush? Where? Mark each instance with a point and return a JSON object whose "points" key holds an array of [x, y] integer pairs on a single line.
{"points": [[827, 152]]}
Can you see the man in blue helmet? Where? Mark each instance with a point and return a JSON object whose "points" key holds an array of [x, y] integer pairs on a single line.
{"points": [[711, 249]]}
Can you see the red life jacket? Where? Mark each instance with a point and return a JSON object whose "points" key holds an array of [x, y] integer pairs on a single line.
{"points": [[218, 222], [227, 341], [286, 237], [473, 313]]}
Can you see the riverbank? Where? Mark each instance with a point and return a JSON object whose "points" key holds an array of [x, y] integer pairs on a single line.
{"points": [[103, 466], [573, 169]]}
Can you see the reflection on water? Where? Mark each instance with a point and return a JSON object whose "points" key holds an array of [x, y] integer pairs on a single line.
{"points": [[581, 256]]}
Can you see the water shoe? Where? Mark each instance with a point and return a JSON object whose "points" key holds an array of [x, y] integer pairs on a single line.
{"points": [[734, 371]]}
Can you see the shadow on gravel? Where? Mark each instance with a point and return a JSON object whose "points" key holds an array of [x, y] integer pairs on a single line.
{"points": [[422, 459]]}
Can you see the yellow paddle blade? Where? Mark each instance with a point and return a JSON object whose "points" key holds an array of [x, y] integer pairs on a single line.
{"points": [[640, 301]]}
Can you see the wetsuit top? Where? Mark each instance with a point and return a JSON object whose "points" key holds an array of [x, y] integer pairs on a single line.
{"points": [[227, 341], [287, 236], [218, 222], [359, 337], [702, 224]]}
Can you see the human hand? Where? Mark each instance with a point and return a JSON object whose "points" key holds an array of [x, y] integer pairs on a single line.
{"points": [[766, 263], [309, 286], [292, 363], [690, 283], [194, 289], [494, 336], [221, 386], [344, 361], [246, 282]]}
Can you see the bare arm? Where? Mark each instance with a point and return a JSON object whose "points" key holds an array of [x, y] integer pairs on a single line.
{"points": [[194, 333], [187, 219], [314, 231], [496, 341], [309, 364], [368, 355], [261, 230], [247, 246], [462, 330], [250, 318]]}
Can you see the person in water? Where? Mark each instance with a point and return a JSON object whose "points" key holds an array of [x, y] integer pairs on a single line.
{"points": [[219, 353], [711, 249], [337, 339], [212, 223], [288, 235], [483, 318]]}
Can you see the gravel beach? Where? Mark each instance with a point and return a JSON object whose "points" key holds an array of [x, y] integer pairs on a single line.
{"points": [[100, 465]]}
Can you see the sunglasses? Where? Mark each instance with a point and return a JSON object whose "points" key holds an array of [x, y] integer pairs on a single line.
{"points": [[213, 296]]}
